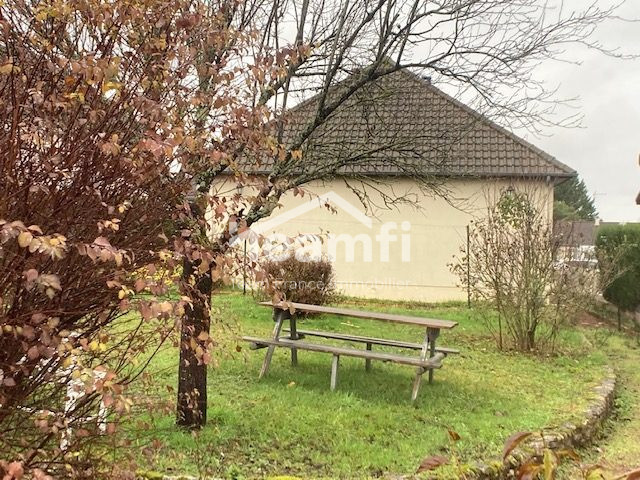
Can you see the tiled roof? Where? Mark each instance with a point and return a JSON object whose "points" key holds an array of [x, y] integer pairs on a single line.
{"points": [[575, 232], [402, 124]]}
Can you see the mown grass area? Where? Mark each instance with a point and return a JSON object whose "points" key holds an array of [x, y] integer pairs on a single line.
{"points": [[617, 449], [290, 423]]}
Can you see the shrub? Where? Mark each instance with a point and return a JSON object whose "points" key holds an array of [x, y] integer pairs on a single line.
{"points": [[301, 281], [511, 267], [86, 193], [618, 253]]}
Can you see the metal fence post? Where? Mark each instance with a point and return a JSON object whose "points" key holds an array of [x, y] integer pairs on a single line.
{"points": [[468, 267], [244, 269]]}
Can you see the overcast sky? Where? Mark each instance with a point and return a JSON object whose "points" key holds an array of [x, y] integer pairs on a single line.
{"points": [[605, 152]]}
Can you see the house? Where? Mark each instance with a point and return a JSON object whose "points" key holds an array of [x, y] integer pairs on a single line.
{"points": [[577, 240], [389, 235]]}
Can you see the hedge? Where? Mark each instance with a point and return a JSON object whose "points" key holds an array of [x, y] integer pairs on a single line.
{"points": [[618, 253]]}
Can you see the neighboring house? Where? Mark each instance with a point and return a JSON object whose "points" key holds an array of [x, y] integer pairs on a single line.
{"points": [[577, 240], [404, 251]]}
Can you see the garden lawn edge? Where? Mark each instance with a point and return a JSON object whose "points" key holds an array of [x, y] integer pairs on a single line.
{"points": [[567, 436]]}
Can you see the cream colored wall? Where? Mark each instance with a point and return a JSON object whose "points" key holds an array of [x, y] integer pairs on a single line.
{"points": [[422, 241]]}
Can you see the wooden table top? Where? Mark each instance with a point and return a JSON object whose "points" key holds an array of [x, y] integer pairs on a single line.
{"points": [[387, 317]]}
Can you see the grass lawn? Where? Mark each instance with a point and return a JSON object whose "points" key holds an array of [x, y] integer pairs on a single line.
{"points": [[618, 449], [289, 423]]}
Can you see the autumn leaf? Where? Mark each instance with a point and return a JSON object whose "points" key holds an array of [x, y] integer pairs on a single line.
{"points": [[9, 382], [40, 475], [14, 471], [111, 86], [24, 239], [528, 471], [8, 68], [50, 283], [633, 475], [549, 464], [512, 442], [431, 463], [50, 280], [102, 242], [33, 353], [31, 275], [76, 96], [218, 102], [594, 472], [569, 453], [140, 284]]}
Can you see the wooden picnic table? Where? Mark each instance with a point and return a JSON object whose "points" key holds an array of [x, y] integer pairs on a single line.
{"points": [[430, 356]]}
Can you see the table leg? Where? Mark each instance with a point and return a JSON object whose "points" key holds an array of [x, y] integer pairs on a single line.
{"points": [[433, 334], [420, 370], [334, 371], [294, 336], [367, 362], [280, 315]]}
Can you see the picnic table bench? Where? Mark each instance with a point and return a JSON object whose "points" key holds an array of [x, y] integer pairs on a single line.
{"points": [[429, 359]]}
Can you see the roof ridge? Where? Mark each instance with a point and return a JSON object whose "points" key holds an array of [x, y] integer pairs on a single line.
{"points": [[385, 60], [548, 157]]}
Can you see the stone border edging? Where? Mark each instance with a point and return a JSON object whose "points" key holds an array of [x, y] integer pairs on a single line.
{"points": [[567, 436]]}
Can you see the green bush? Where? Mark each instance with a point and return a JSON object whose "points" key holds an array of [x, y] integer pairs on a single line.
{"points": [[618, 253], [309, 281]]}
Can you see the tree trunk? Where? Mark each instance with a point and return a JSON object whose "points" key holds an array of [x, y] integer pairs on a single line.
{"points": [[191, 409], [619, 320], [531, 339]]}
